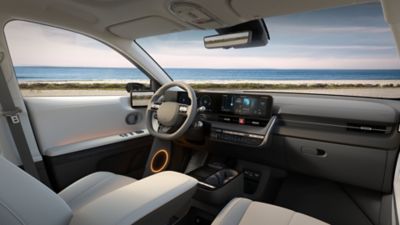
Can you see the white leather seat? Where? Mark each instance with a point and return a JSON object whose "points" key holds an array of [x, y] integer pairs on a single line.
{"points": [[241, 211], [24, 200], [100, 198], [92, 187]]}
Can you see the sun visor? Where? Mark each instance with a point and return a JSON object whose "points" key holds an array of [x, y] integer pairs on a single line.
{"points": [[145, 26]]}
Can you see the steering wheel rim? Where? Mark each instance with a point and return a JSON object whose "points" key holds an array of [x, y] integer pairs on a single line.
{"points": [[191, 110]]}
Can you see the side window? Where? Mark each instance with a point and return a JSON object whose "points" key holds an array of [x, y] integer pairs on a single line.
{"points": [[50, 61]]}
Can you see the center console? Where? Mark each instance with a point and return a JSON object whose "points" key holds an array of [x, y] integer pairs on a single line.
{"points": [[239, 119], [217, 184], [243, 119]]}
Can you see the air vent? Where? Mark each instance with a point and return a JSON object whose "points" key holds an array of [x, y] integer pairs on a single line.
{"points": [[367, 128]]}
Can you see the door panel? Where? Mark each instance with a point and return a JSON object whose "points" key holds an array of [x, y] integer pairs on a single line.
{"points": [[60, 121], [126, 158], [82, 135]]}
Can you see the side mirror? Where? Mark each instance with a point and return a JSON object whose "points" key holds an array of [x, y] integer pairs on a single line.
{"points": [[136, 87]]}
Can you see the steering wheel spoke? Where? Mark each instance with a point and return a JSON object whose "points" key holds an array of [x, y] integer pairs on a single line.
{"points": [[164, 129], [183, 109], [154, 106]]}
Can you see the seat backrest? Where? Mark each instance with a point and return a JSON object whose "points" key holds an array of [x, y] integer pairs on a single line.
{"points": [[26, 201]]}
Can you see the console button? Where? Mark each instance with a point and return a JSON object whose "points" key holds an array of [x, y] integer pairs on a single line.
{"points": [[252, 174]]}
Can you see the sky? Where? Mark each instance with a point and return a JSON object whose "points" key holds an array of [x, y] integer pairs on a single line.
{"points": [[352, 37]]}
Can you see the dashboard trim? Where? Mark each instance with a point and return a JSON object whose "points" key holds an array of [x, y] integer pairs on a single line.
{"points": [[270, 127]]}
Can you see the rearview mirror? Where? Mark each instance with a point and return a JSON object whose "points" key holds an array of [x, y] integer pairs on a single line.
{"points": [[227, 40], [245, 35]]}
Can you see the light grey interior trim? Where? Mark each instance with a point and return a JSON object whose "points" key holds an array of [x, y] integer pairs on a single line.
{"points": [[59, 121], [392, 17], [132, 202], [318, 106], [11, 112], [6, 141], [80, 146]]}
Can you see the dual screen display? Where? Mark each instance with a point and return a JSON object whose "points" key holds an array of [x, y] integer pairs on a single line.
{"points": [[259, 106]]}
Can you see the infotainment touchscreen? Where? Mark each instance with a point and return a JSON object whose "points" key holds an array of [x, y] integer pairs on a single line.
{"points": [[258, 106]]}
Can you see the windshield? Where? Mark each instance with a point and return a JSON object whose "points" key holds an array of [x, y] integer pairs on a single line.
{"points": [[344, 51]]}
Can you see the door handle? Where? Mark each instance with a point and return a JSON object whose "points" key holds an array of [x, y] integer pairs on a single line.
{"points": [[133, 118]]}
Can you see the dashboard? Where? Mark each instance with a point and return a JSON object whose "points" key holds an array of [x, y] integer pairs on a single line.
{"points": [[235, 118], [334, 137]]}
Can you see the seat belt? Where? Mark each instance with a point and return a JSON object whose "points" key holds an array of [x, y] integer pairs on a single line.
{"points": [[10, 111]]}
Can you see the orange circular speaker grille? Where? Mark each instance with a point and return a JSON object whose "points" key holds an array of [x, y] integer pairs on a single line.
{"points": [[159, 161]]}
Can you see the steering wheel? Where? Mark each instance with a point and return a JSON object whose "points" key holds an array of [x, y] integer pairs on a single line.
{"points": [[171, 114]]}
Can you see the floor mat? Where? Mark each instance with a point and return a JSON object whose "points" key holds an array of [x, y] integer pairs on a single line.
{"points": [[321, 199]]}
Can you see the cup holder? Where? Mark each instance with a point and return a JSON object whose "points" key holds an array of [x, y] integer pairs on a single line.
{"points": [[218, 185], [221, 177]]}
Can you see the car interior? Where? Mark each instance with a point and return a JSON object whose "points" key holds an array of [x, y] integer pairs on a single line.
{"points": [[190, 156]]}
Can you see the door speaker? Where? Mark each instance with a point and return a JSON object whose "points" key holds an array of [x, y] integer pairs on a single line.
{"points": [[159, 161]]}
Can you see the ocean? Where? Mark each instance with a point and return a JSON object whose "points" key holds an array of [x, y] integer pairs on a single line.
{"points": [[95, 74]]}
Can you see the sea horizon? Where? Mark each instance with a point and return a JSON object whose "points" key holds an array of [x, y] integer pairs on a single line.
{"points": [[205, 68]]}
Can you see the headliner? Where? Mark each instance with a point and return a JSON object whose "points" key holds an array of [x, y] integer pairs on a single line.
{"points": [[132, 19]]}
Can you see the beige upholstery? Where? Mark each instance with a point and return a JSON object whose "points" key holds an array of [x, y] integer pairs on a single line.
{"points": [[92, 187], [24, 200], [242, 211], [100, 198], [133, 202]]}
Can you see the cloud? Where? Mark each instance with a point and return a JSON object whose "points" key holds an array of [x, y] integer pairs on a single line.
{"points": [[297, 42], [345, 29], [354, 29]]}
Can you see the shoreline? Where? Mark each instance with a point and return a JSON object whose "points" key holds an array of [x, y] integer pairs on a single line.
{"points": [[361, 88]]}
